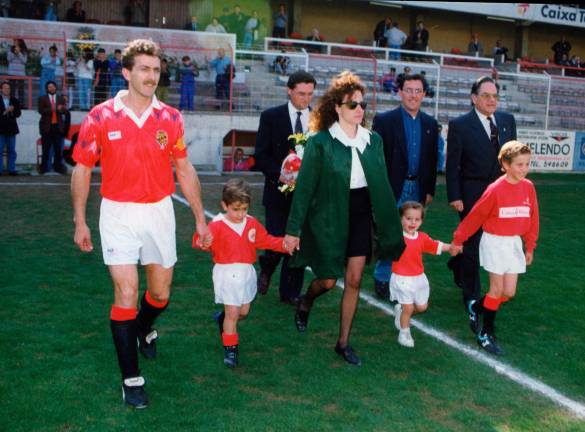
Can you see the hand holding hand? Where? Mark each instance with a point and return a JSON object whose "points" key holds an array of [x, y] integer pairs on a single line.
{"points": [[291, 244], [455, 250]]}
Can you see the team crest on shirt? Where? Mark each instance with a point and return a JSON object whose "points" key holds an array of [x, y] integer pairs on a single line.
{"points": [[252, 235], [162, 138]]}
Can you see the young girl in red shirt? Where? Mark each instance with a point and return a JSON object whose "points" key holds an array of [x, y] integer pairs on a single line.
{"points": [[508, 213], [409, 284], [236, 236]]}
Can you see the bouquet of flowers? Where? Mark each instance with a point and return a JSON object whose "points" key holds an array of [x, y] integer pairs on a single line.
{"points": [[292, 163]]}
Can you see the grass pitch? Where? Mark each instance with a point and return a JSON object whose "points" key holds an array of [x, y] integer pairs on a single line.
{"points": [[59, 372]]}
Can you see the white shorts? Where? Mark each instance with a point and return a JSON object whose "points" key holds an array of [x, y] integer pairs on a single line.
{"points": [[133, 231], [501, 254], [234, 284], [409, 289]]}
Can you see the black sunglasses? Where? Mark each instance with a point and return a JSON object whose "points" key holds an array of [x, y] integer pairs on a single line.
{"points": [[353, 104]]}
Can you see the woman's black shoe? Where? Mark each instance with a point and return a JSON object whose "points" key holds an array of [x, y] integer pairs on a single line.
{"points": [[348, 354]]}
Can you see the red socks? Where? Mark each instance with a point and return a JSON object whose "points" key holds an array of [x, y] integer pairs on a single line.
{"points": [[122, 314], [229, 339], [154, 303], [491, 303]]}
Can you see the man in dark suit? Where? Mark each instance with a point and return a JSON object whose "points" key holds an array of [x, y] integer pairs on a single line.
{"points": [[272, 146], [410, 147], [9, 112], [53, 126], [473, 143]]}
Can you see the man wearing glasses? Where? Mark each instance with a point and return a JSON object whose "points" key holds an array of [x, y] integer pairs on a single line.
{"points": [[473, 143], [410, 148]]}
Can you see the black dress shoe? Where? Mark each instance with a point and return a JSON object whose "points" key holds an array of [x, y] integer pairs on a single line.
{"points": [[293, 301], [382, 289], [263, 283], [301, 317], [348, 354]]}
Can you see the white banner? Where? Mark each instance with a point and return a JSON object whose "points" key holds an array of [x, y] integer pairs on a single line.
{"points": [[551, 150], [539, 12]]}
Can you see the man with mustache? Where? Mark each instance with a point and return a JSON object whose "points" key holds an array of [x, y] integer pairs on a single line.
{"points": [[137, 139]]}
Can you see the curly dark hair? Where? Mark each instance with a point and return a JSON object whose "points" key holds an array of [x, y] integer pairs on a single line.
{"points": [[324, 115]]}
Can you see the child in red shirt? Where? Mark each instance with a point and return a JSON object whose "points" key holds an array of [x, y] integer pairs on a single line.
{"points": [[236, 236], [408, 283], [508, 213]]}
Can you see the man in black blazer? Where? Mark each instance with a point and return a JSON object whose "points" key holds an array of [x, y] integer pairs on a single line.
{"points": [[473, 143], [9, 112], [410, 148], [53, 126], [272, 146]]}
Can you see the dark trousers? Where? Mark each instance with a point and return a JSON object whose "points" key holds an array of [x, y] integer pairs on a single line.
{"points": [[52, 140], [222, 86], [100, 94], [291, 279], [17, 87], [279, 32], [467, 264]]}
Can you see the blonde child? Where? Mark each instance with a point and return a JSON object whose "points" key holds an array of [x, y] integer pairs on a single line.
{"points": [[508, 213], [236, 236], [408, 283]]}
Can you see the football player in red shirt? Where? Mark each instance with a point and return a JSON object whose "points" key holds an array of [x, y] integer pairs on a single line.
{"points": [[137, 140]]}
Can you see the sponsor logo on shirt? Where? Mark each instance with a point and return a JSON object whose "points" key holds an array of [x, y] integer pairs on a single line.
{"points": [[114, 135], [162, 138], [252, 235], [514, 212]]}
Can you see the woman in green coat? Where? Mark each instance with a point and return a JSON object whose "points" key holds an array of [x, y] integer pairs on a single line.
{"points": [[342, 192]]}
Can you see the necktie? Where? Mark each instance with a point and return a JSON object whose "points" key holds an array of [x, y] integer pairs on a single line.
{"points": [[53, 110], [298, 124], [494, 135]]}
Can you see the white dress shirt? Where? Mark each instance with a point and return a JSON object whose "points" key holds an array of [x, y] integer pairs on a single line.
{"points": [[292, 112], [486, 123], [359, 143]]}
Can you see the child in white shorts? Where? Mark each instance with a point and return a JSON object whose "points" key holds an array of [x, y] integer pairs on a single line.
{"points": [[408, 283], [508, 213], [236, 236]]}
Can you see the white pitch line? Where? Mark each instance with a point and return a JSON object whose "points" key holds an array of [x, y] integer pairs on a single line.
{"points": [[577, 408]]}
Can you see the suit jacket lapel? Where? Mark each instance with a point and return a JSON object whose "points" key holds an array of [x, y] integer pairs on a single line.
{"points": [[401, 133], [502, 128], [478, 128]]}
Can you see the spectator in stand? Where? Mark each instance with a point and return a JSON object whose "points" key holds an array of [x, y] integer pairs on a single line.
{"points": [[237, 23], [221, 64], [280, 19], [575, 62], [237, 163], [117, 80], [315, 36], [559, 48], [9, 112], [164, 82], [281, 64], [400, 77], [429, 91], [224, 20], [70, 78], [380, 31], [192, 25], [475, 48], [49, 63], [186, 74], [102, 77], [53, 126], [389, 84], [564, 61], [215, 27], [17, 58], [500, 53], [249, 29], [75, 13], [5, 8], [420, 37], [395, 39], [85, 75], [51, 12], [136, 12]]}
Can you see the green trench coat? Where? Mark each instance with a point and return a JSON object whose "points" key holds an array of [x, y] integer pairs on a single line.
{"points": [[320, 208]]}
